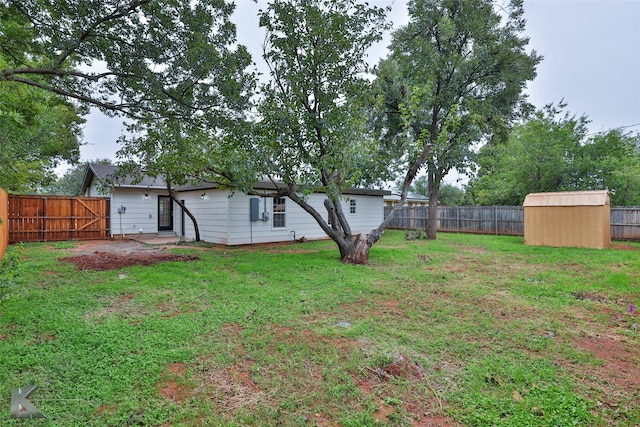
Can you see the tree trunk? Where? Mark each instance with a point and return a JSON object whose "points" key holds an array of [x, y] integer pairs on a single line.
{"points": [[356, 251], [174, 197], [353, 249], [432, 210]]}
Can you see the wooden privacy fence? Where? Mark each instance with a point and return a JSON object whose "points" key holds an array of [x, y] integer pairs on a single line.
{"points": [[501, 220], [55, 218], [4, 223], [625, 223]]}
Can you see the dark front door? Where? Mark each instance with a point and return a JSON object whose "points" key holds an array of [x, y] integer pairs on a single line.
{"points": [[165, 213]]}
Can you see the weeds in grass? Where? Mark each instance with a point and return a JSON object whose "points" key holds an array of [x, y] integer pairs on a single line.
{"points": [[10, 270], [415, 235]]}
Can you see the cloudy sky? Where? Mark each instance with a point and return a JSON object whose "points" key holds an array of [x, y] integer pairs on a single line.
{"points": [[591, 52]]}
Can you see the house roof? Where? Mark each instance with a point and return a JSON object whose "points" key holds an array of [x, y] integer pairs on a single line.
{"points": [[270, 186], [569, 198], [102, 172]]}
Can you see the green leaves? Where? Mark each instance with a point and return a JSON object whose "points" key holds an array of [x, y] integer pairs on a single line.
{"points": [[553, 152], [139, 58], [37, 131], [312, 117], [172, 66]]}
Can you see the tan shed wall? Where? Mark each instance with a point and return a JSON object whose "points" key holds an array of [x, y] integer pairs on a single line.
{"points": [[573, 226]]}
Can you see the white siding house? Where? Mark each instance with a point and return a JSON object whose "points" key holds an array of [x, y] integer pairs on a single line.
{"points": [[140, 208], [223, 216]]}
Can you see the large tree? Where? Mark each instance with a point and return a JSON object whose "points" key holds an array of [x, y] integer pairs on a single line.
{"points": [[142, 58], [455, 77], [172, 66], [149, 60], [312, 111], [538, 156]]}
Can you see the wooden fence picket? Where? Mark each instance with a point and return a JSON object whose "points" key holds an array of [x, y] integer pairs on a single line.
{"points": [[57, 218]]}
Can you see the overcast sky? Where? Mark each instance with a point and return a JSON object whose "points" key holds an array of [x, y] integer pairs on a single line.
{"points": [[591, 52]]}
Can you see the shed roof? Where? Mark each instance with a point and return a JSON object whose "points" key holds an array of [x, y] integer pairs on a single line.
{"points": [[569, 198]]}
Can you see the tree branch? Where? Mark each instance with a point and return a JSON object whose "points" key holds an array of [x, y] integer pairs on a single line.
{"points": [[112, 16]]}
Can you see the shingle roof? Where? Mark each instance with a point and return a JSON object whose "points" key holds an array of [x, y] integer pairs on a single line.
{"points": [[268, 185], [103, 172]]}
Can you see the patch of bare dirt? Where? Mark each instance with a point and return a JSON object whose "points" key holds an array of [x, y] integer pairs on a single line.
{"points": [[402, 367], [116, 254], [623, 247], [171, 387], [426, 406], [621, 363], [87, 247], [113, 261]]}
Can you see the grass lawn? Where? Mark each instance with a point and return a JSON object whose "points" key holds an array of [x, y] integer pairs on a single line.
{"points": [[465, 330]]}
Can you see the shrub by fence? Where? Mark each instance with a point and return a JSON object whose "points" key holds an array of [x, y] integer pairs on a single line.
{"points": [[4, 223], [501, 220]]}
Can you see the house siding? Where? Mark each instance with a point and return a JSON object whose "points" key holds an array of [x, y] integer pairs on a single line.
{"points": [[211, 214], [369, 213], [225, 218], [141, 214]]}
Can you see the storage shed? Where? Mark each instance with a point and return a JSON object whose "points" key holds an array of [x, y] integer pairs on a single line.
{"points": [[573, 218]]}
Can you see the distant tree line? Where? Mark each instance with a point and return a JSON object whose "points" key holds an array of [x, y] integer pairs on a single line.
{"points": [[553, 151]]}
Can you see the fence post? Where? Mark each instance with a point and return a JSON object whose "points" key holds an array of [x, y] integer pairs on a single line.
{"points": [[44, 219], [4, 222], [457, 219], [496, 217]]}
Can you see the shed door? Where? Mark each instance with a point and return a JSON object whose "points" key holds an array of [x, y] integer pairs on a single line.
{"points": [[165, 213]]}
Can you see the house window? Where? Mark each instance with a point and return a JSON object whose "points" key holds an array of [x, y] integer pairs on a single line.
{"points": [[352, 206], [279, 212]]}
